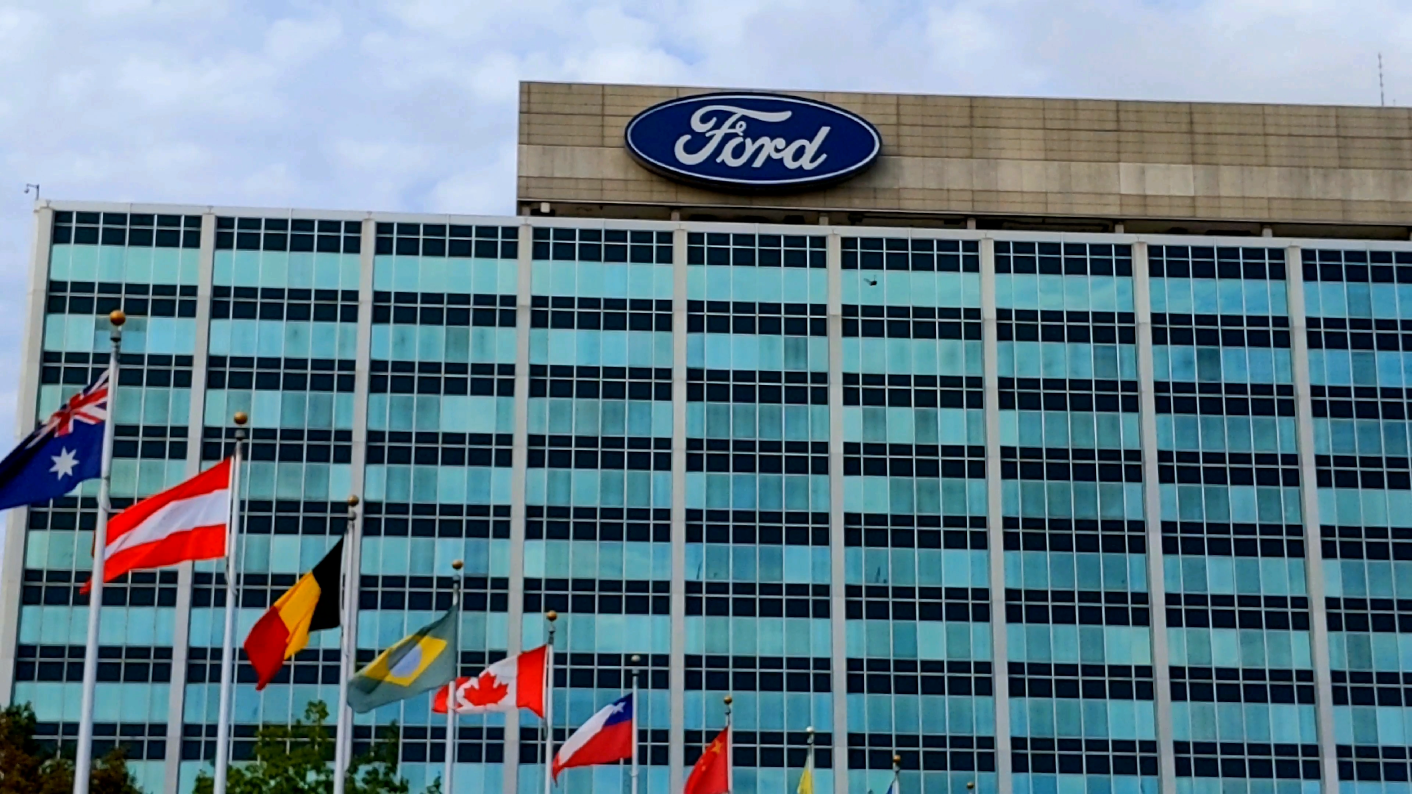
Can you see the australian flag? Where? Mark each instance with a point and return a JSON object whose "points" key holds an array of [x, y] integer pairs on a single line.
{"points": [[61, 453]]}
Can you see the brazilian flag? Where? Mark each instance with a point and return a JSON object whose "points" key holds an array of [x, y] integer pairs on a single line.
{"points": [[423, 661]]}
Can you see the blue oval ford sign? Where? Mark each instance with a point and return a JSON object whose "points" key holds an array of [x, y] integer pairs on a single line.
{"points": [[752, 141]]}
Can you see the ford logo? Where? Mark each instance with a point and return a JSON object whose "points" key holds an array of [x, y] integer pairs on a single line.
{"points": [[744, 142]]}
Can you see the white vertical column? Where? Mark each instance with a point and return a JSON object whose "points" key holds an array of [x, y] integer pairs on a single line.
{"points": [[234, 556], [518, 461], [363, 365], [1152, 518], [196, 418], [676, 672], [995, 526], [17, 520], [838, 604], [84, 760], [1309, 506], [357, 469], [636, 719]]}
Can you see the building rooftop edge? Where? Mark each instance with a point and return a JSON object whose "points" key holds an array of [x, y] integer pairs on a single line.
{"points": [[1392, 110]]}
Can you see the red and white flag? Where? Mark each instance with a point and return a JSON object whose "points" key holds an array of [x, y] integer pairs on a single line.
{"points": [[515, 682], [608, 737], [187, 522]]}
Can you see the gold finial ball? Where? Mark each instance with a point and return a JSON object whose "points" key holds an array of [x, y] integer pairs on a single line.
{"points": [[970, 784], [897, 759], [456, 565], [241, 418], [809, 729], [636, 659], [117, 318], [728, 700], [551, 616], [353, 500]]}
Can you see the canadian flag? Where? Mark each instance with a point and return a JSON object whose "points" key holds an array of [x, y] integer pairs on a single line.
{"points": [[515, 682]]}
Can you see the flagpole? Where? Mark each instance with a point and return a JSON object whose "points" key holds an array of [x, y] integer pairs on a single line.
{"points": [[730, 747], [636, 660], [84, 764], [448, 776], [809, 760], [228, 641], [550, 616], [896, 774], [348, 646]]}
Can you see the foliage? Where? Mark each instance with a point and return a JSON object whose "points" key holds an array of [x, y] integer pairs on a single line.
{"points": [[295, 759], [26, 767], [110, 775]]}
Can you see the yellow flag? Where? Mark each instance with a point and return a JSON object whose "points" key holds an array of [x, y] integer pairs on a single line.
{"points": [[806, 780]]}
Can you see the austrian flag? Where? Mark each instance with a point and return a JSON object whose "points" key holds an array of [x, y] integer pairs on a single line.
{"points": [[187, 522], [515, 682]]}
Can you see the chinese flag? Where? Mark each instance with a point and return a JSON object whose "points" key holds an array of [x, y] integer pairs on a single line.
{"points": [[712, 775]]}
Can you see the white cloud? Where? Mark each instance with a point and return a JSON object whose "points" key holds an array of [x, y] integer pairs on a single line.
{"points": [[21, 31], [290, 42], [475, 184]]}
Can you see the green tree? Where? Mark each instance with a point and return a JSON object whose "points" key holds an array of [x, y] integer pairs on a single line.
{"points": [[26, 767], [294, 759]]}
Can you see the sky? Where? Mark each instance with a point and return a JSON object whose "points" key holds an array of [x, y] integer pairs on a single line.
{"points": [[409, 105]]}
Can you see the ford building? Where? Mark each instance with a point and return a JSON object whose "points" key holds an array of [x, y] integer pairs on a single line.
{"points": [[1048, 446]]}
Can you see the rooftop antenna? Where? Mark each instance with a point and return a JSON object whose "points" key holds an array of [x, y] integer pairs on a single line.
{"points": [[35, 186], [1382, 102]]}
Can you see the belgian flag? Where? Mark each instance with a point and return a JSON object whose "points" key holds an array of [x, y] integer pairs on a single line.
{"points": [[312, 604]]}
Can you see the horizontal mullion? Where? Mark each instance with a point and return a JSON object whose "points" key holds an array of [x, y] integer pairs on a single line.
{"points": [[1253, 612], [1209, 262], [1370, 615], [758, 606], [1213, 405], [1109, 536], [1392, 475], [746, 392], [1081, 607], [880, 530], [115, 594], [538, 600], [1251, 760], [1366, 543], [1070, 464], [280, 310], [1218, 539], [1103, 757], [758, 681], [1242, 685], [490, 454], [937, 752]]}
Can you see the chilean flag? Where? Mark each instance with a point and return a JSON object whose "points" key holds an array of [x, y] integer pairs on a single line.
{"points": [[608, 736]]}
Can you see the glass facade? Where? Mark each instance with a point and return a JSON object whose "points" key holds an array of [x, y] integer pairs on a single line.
{"points": [[890, 485], [1233, 541], [1356, 300], [918, 624], [147, 265], [1078, 609]]}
